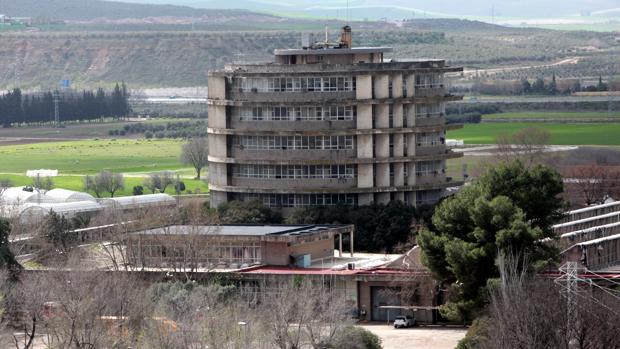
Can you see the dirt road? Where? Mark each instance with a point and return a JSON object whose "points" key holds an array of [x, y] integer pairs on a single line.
{"points": [[418, 337]]}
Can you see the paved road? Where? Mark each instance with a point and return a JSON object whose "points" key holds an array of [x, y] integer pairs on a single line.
{"points": [[418, 337]]}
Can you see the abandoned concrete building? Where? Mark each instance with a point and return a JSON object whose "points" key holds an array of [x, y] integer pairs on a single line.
{"points": [[329, 124]]}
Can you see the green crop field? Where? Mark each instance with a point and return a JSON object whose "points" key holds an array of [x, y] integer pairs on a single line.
{"points": [[561, 134], [76, 182], [91, 156], [552, 115], [74, 159]]}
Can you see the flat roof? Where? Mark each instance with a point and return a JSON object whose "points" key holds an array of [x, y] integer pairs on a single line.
{"points": [[330, 51], [244, 230]]}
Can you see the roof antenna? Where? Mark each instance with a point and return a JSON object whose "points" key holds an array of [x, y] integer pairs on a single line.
{"points": [[347, 13]]}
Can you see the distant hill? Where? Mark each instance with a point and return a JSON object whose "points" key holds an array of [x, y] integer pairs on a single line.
{"points": [[399, 9], [84, 10]]}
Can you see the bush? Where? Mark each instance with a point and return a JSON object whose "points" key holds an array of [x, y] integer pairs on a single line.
{"points": [[354, 337], [148, 134], [138, 190]]}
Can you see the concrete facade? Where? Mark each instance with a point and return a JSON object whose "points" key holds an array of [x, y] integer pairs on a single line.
{"points": [[329, 125]]}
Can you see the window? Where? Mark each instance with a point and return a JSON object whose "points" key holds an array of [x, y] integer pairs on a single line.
{"points": [[294, 84]]}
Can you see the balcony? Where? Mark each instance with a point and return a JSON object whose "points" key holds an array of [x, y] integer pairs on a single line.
{"points": [[430, 91], [290, 97], [292, 154], [430, 119], [293, 184], [422, 150], [294, 125]]}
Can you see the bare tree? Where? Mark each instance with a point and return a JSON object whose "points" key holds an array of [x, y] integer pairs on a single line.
{"points": [[528, 145], [195, 152], [159, 181], [104, 182], [594, 182], [43, 183]]}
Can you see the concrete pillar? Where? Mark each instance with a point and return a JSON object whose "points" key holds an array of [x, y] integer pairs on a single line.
{"points": [[383, 198], [217, 116], [411, 177], [399, 174], [382, 175], [411, 144], [410, 114], [363, 89], [399, 196], [217, 87], [399, 140], [381, 86], [365, 199], [217, 198], [340, 245], [397, 115], [410, 197], [410, 83], [217, 145], [365, 176], [218, 174], [364, 146], [382, 118], [397, 86], [382, 146], [364, 116]]}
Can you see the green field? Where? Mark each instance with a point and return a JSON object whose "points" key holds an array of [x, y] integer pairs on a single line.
{"points": [[76, 182], [91, 156], [74, 159], [561, 134], [552, 115]]}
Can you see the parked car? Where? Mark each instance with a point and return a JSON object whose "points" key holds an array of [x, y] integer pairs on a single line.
{"points": [[404, 321]]}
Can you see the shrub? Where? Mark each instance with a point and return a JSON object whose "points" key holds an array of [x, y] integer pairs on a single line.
{"points": [[354, 337], [148, 134], [138, 190]]}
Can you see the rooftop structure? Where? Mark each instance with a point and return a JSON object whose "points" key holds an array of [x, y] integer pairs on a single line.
{"points": [[233, 247], [329, 124]]}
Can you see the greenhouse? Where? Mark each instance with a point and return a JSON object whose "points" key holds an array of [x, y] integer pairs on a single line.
{"points": [[64, 195], [139, 201], [31, 213], [18, 195]]}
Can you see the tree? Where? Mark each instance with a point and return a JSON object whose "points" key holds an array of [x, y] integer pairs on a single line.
{"points": [[43, 183], [528, 145], [601, 86], [137, 190], [509, 210], [195, 152], [104, 182], [553, 86], [57, 230], [539, 86], [254, 212], [7, 258], [594, 182], [526, 87], [159, 181]]}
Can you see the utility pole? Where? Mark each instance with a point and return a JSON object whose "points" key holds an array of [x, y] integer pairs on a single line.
{"points": [[56, 109], [570, 278]]}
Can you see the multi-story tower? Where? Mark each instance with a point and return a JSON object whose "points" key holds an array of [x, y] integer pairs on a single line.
{"points": [[327, 124]]}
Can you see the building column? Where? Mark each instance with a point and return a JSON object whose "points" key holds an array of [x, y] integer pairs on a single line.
{"points": [[364, 117], [397, 86], [410, 83], [399, 174], [397, 115], [409, 110], [411, 144], [382, 146], [363, 87], [411, 176], [383, 175], [382, 118], [381, 86], [399, 145]]}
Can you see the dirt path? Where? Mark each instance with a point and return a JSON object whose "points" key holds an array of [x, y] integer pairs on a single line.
{"points": [[492, 71], [418, 337]]}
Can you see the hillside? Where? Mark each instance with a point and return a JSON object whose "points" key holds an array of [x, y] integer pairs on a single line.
{"points": [[399, 9], [84, 10], [160, 59]]}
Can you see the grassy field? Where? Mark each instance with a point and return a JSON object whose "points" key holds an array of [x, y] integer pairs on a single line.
{"points": [[561, 134], [87, 130], [552, 115], [75, 182], [91, 156], [74, 159]]}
